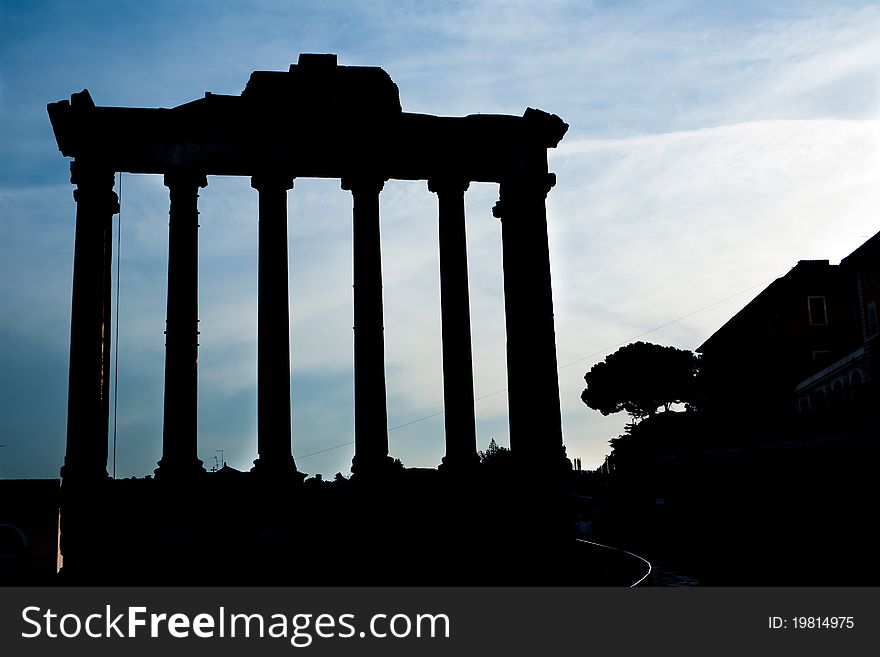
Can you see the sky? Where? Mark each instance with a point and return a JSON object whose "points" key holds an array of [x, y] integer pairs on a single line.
{"points": [[711, 146]]}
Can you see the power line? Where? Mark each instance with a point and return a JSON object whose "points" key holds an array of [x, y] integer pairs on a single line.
{"points": [[561, 367], [326, 449], [406, 424], [394, 428], [657, 328]]}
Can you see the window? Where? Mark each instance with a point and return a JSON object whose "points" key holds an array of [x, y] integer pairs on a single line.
{"points": [[816, 308], [821, 357], [872, 318]]}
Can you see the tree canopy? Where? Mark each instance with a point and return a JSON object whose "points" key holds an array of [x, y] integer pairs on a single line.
{"points": [[493, 453], [641, 377]]}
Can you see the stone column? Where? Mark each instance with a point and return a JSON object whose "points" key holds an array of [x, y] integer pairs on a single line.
{"points": [[532, 379], [458, 375], [370, 412], [273, 326], [89, 376], [179, 431]]}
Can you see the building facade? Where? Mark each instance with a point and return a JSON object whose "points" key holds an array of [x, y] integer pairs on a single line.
{"points": [[803, 345]]}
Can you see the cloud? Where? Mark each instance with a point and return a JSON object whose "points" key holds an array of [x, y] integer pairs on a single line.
{"points": [[710, 148], [32, 406], [36, 248], [651, 228]]}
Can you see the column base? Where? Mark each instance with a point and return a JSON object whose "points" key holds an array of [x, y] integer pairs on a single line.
{"points": [[459, 464], [373, 467], [277, 469], [81, 475], [179, 471], [544, 466]]}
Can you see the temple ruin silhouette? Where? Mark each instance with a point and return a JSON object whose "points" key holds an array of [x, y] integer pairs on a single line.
{"points": [[319, 120]]}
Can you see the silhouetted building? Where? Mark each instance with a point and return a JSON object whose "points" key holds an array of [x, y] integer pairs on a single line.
{"points": [[805, 344], [849, 382], [316, 119], [774, 483], [799, 324]]}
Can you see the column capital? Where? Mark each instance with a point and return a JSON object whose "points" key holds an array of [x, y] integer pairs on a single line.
{"points": [[261, 181], [185, 178], [83, 173], [444, 184], [94, 184], [513, 189], [363, 183]]}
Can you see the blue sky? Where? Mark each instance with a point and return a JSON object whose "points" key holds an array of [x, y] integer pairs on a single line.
{"points": [[712, 145]]}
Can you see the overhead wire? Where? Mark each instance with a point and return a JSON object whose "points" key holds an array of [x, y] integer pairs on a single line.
{"points": [[561, 367]]}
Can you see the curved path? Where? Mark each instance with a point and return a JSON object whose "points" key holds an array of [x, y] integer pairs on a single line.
{"points": [[608, 547]]}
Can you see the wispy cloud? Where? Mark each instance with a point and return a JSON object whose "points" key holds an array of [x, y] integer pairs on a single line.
{"points": [[650, 228], [711, 147]]}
